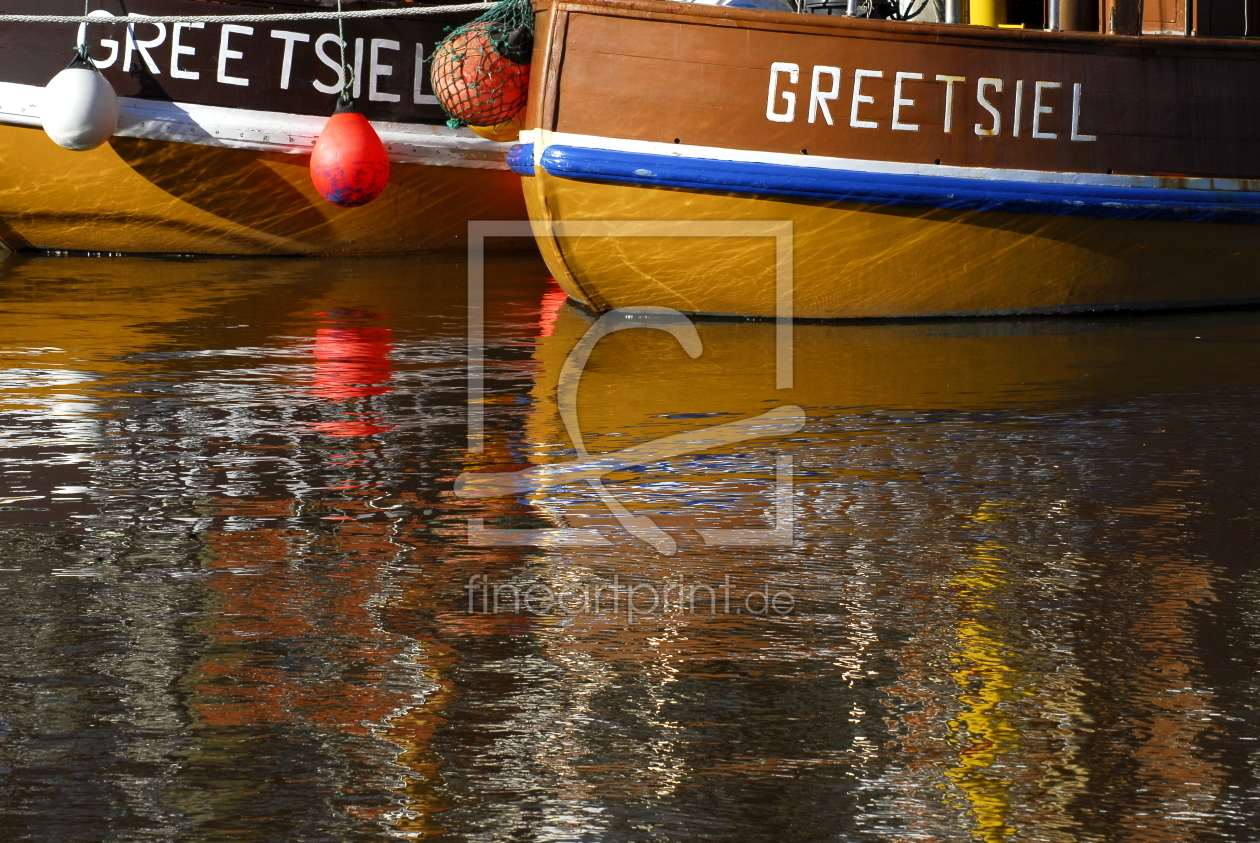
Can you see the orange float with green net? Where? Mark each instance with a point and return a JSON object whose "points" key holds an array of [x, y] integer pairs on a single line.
{"points": [[481, 70]]}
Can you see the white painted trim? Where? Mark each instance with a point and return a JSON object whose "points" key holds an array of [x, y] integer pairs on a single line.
{"points": [[892, 167], [267, 131]]}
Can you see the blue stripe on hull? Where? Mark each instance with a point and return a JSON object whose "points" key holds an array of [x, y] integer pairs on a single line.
{"points": [[520, 159], [787, 181]]}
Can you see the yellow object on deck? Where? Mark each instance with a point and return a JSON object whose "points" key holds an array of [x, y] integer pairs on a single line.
{"points": [[509, 131], [988, 12]]}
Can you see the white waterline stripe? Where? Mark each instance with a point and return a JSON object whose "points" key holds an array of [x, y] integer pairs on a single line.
{"points": [[542, 140], [266, 131], [272, 18]]}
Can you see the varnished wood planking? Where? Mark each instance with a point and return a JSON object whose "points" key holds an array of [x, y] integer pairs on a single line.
{"points": [[1157, 105]]}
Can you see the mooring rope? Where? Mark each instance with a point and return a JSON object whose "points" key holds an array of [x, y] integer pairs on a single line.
{"points": [[347, 75], [270, 18]]}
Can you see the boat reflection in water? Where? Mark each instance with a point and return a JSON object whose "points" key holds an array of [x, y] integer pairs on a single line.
{"points": [[1001, 564], [1016, 603]]}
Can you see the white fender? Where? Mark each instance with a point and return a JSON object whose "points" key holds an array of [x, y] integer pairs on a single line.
{"points": [[80, 108]]}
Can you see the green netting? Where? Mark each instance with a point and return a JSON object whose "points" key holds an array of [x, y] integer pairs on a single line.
{"points": [[481, 70]]}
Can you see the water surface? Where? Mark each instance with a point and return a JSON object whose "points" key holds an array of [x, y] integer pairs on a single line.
{"points": [[240, 600]]}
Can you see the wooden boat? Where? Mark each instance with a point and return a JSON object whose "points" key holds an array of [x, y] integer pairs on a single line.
{"points": [[217, 126], [919, 168]]}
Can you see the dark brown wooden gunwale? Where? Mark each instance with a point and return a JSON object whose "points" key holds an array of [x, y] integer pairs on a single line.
{"points": [[964, 35], [967, 35], [1211, 88]]}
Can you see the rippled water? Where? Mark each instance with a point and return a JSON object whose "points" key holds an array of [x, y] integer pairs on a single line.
{"points": [[1013, 583]]}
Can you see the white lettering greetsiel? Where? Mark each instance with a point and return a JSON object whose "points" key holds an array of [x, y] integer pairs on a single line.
{"points": [[236, 43], [825, 85]]}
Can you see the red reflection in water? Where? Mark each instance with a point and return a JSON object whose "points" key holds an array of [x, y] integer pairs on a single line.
{"points": [[549, 309], [352, 363]]}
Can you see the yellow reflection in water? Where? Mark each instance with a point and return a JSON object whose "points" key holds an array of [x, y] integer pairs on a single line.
{"points": [[988, 731]]}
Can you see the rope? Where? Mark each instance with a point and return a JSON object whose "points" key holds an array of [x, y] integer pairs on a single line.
{"points": [[82, 48], [276, 18], [347, 75]]}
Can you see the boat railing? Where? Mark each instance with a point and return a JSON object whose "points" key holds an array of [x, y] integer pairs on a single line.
{"points": [[1210, 18]]}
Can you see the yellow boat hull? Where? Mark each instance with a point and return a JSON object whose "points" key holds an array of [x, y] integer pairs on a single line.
{"points": [[136, 195], [860, 261]]}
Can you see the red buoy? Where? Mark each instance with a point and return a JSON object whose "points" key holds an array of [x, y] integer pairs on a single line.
{"points": [[349, 166], [474, 81]]}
